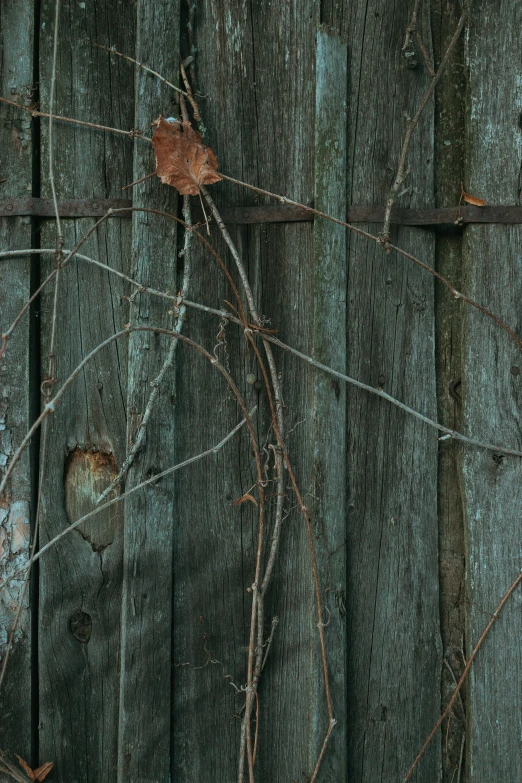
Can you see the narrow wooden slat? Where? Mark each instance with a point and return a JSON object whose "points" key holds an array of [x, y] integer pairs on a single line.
{"points": [[449, 173], [329, 418], [145, 676], [492, 393], [80, 579], [16, 77], [394, 655]]}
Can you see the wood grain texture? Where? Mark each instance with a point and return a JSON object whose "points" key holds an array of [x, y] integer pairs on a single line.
{"points": [[16, 77], [81, 578], [329, 346], [449, 157], [394, 653], [492, 392], [146, 630], [257, 67]]}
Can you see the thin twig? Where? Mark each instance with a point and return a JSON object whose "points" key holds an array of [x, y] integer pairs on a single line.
{"points": [[51, 374], [52, 275], [424, 53], [412, 26], [153, 480], [51, 135], [140, 180], [132, 134], [50, 407], [189, 95], [384, 237], [463, 675], [315, 570], [456, 294], [140, 65], [119, 498], [284, 200], [255, 651], [448, 433], [169, 359], [411, 33], [452, 674], [190, 26]]}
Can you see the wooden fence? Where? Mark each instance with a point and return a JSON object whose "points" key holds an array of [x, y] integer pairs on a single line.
{"points": [[130, 645]]}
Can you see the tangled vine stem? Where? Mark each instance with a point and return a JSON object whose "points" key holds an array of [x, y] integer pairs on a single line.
{"points": [[285, 200], [50, 407], [448, 434], [169, 359], [255, 650]]}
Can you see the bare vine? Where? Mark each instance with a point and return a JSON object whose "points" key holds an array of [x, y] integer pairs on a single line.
{"points": [[247, 318]]}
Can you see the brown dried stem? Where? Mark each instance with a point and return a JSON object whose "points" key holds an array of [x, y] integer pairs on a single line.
{"points": [[140, 65], [169, 359], [282, 458], [402, 173], [456, 294], [132, 134], [258, 594], [411, 33], [464, 674], [190, 97], [448, 434]]}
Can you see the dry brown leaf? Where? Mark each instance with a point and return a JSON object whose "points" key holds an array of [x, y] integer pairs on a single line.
{"points": [[182, 160], [43, 771], [25, 766], [476, 202], [36, 774], [244, 499]]}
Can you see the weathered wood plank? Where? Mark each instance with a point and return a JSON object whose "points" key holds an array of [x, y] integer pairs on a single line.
{"points": [[16, 79], [329, 417], [449, 156], [394, 652], [146, 658], [257, 67], [491, 391], [80, 579]]}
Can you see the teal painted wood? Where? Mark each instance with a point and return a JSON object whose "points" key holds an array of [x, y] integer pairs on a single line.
{"points": [[329, 417], [146, 627], [81, 578], [16, 80], [491, 392], [394, 651]]}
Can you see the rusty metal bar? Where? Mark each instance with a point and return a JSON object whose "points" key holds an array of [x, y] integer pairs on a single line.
{"points": [[280, 213], [78, 207]]}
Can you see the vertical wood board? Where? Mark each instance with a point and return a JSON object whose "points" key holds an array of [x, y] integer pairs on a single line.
{"points": [[257, 67], [492, 391], [329, 346], [145, 676], [16, 79], [450, 102], [81, 577], [394, 655]]}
